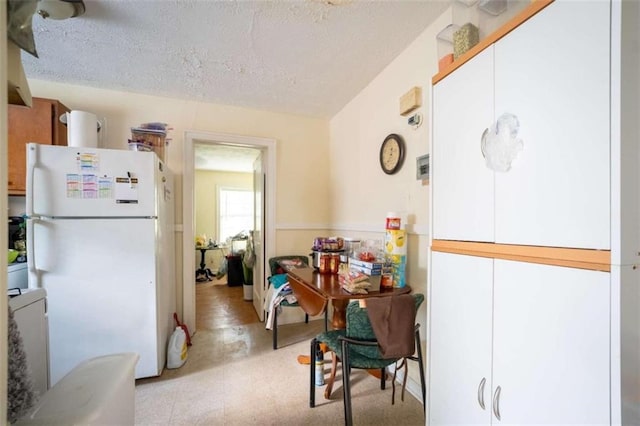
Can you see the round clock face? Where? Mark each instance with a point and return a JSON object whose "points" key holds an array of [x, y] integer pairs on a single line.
{"points": [[392, 154]]}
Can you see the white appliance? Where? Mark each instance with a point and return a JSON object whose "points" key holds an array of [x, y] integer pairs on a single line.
{"points": [[100, 241], [29, 312], [17, 276]]}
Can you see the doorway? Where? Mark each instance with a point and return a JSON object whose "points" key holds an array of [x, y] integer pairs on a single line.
{"points": [[196, 144]]}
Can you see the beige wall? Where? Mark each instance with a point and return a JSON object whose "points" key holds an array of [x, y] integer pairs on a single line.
{"points": [[361, 194], [206, 188], [302, 151]]}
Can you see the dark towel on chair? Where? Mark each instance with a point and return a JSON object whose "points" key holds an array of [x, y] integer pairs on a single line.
{"points": [[393, 322]]}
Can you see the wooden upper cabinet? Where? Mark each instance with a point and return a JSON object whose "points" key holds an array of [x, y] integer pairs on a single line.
{"points": [[39, 124]]}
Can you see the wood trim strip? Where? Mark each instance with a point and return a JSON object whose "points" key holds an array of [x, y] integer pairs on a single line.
{"points": [[596, 260], [535, 7]]}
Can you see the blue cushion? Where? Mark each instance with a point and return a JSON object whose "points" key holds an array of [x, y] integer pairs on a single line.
{"points": [[278, 280]]}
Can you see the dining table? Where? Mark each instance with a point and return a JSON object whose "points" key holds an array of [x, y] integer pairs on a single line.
{"points": [[314, 290], [204, 273]]}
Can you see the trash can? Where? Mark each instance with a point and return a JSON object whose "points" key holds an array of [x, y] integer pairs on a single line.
{"points": [[248, 282], [235, 277]]}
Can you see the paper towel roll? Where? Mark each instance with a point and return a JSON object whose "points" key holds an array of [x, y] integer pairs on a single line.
{"points": [[395, 242], [82, 129]]}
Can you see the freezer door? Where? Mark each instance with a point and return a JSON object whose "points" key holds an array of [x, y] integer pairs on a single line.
{"points": [[90, 182], [101, 282]]}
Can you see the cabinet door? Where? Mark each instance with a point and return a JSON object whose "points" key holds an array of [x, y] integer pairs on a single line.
{"points": [[460, 339], [462, 190], [26, 125], [36, 124], [551, 344], [552, 72]]}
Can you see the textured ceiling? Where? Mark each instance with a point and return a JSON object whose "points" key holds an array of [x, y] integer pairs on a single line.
{"points": [[306, 57]]}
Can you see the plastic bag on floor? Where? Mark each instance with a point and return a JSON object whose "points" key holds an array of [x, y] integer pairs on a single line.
{"points": [[177, 348], [223, 268]]}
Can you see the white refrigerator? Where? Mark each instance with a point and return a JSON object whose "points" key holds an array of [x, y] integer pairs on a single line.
{"points": [[100, 241]]}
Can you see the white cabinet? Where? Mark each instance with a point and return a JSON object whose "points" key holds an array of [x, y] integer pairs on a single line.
{"points": [[554, 344], [463, 107], [552, 73], [528, 342], [551, 344], [460, 339]]}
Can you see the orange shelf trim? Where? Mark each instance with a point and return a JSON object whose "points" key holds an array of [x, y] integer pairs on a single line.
{"points": [[597, 260]]}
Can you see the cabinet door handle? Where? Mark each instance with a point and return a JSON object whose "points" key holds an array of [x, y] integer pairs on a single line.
{"points": [[483, 142], [496, 402], [481, 392]]}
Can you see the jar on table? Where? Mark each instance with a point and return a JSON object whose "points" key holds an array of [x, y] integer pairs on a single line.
{"points": [[334, 263], [325, 263]]}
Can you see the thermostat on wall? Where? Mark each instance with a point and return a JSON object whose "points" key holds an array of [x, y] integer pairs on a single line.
{"points": [[422, 167]]}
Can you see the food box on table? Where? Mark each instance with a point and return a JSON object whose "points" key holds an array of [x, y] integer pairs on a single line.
{"points": [[367, 271], [372, 266]]}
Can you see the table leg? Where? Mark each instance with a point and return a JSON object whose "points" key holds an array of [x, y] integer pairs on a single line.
{"points": [[339, 318], [332, 376], [202, 262], [204, 271]]}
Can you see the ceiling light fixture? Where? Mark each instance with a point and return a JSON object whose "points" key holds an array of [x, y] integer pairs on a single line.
{"points": [[60, 9]]}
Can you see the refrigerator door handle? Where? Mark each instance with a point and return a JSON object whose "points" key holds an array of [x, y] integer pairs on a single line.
{"points": [[32, 156], [31, 258]]}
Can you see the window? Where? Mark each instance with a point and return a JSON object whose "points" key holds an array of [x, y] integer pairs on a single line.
{"points": [[235, 212]]}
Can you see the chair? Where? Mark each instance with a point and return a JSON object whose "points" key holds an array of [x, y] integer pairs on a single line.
{"points": [[277, 265], [358, 347]]}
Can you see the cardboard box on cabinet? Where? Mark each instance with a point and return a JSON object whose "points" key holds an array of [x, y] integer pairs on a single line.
{"points": [[17, 86]]}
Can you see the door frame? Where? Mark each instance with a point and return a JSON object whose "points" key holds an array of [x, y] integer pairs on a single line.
{"points": [[258, 292], [268, 148]]}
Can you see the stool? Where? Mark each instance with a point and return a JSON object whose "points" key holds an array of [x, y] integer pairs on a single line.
{"points": [[99, 391]]}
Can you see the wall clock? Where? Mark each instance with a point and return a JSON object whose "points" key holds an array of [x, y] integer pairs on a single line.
{"points": [[392, 154]]}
